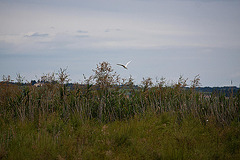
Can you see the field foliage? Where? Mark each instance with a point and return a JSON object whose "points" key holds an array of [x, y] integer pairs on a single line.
{"points": [[107, 117]]}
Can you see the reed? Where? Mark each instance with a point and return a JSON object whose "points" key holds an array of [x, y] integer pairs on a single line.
{"points": [[106, 98], [54, 111]]}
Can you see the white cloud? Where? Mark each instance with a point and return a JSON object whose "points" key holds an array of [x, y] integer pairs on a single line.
{"points": [[36, 34], [81, 31], [150, 29]]}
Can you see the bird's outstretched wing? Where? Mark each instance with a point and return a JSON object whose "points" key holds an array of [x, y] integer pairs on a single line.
{"points": [[122, 66], [128, 63]]}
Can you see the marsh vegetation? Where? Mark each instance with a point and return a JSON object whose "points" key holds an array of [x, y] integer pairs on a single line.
{"points": [[108, 117]]}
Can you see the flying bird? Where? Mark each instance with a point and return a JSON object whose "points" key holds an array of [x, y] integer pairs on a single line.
{"points": [[125, 66]]}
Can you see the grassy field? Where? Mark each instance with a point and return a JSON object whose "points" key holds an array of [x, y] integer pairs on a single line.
{"points": [[109, 118]]}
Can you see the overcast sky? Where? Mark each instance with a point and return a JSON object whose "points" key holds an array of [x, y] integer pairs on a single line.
{"points": [[163, 38]]}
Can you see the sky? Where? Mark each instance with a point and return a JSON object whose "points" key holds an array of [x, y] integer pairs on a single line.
{"points": [[163, 38]]}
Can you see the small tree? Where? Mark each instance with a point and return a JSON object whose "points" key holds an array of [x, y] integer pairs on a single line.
{"points": [[104, 75], [48, 78], [19, 78], [181, 82], [196, 82], [146, 83], [130, 82], [162, 82], [63, 76], [7, 78]]}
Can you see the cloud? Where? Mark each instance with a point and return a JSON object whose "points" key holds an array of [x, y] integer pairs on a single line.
{"points": [[110, 30], [82, 34], [81, 31], [36, 34]]}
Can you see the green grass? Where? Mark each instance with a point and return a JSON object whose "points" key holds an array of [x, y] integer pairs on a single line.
{"points": [[102, 120], [141, 137]]}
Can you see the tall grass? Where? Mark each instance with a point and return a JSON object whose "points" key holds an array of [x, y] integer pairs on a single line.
{"points": [[55, 117], [106, 98]]}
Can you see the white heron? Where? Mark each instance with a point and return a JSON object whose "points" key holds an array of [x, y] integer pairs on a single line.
{"points": [[124, 66]]}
